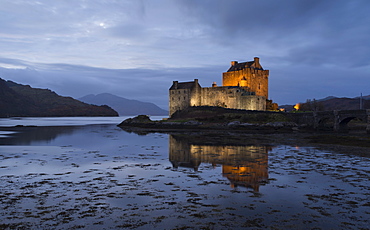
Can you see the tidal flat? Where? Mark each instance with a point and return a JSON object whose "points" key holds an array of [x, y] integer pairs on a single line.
{"points": [[99, 176]]}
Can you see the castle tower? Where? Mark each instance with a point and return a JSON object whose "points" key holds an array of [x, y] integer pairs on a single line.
{"points": [[249, 75], [183, 95]]}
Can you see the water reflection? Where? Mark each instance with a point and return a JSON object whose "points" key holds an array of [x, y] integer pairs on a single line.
{"points": [[36, 134], [243, 165]]}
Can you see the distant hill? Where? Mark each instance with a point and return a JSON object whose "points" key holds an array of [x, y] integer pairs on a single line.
{"points": [[327, 98], [344, 104], [125, 107], [18, 100], [365, 97], [335, 103]]}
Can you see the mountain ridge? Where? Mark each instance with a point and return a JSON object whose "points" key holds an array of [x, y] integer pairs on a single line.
{"points": [[124, 106], [17, 100], [333, 103]]}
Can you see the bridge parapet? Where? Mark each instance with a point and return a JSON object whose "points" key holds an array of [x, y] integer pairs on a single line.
{"points": [[338, 119], [305, 118], [324, 113]]}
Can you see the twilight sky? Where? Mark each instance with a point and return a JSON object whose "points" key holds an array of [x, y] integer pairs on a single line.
{"points": [[136, 48]]}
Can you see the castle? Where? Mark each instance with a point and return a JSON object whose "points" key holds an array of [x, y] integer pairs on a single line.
{"points": [[244, 86]]}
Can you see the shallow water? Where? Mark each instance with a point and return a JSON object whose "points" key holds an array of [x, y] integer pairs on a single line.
{"points": [[99, 176], [63, 121]]}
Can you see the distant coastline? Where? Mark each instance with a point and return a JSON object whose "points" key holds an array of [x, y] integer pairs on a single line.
{"points": [[19, 100]]}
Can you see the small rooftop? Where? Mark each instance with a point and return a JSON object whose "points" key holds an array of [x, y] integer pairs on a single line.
{"points": [[184, 85], [235, 66]]}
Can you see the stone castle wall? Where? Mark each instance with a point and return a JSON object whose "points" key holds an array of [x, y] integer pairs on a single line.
{"points": [[227, 97], [255, 80], [180, 99], [232, 97]]}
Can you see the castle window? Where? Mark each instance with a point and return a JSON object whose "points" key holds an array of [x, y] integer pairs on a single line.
{"points": [[184, 98]]}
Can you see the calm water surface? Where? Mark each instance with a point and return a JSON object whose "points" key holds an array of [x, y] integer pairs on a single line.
{"points": [[86, 173]]}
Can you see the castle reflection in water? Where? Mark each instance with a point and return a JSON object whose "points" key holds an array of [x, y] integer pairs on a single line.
{"points": [[243, 165]]}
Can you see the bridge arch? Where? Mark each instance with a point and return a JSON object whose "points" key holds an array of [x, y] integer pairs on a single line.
{"points": [[336, 120], [339, 120], [346, 120], [325, 123], [344, 117], [344, 123]]}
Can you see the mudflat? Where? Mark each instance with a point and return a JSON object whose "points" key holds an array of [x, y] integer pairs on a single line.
{"points": [[101, 176]]}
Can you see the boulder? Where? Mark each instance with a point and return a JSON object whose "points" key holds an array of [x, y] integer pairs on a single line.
{"points": [[137, 119]]}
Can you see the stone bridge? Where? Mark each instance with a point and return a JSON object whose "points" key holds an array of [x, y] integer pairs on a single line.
{"points": [[337, 119]]}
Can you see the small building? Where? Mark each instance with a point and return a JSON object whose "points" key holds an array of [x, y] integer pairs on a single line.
{"points": [[244, 86]]}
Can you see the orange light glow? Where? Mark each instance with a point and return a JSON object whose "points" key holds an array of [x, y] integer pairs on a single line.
{"points": [[297, 106]]}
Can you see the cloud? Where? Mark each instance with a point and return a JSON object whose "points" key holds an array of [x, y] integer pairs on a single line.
{"points": [[148, 85], [299, 30], [135, 49], [293, 84]]}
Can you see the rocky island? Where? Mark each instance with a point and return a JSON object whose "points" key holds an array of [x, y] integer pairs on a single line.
{"points": [[217, 118]]}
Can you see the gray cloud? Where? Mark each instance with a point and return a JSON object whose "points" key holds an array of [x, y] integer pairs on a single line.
{"points": [[303, 31], [77, 81], [135, 49]]}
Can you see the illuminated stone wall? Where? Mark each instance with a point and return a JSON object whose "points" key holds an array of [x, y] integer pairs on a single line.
{"points": [[250, 75], [179, 100], [227, 97], [183, 95], [232, 97]]}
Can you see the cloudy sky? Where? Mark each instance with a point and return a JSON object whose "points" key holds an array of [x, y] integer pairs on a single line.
{"points": [[136, 48]]}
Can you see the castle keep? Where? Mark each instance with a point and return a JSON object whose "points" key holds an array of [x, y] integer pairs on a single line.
{"points": [[244, 86]]}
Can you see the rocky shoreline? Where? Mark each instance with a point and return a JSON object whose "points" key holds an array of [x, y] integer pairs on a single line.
{"points": [[143, 121], [271, 132]]}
